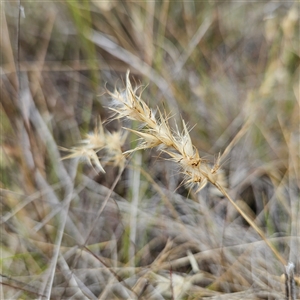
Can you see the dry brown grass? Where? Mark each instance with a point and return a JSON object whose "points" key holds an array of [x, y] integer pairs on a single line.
{"points": [[167, 220]]}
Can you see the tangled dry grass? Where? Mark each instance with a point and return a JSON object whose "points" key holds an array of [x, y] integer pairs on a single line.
{"points": [[185, 189]]}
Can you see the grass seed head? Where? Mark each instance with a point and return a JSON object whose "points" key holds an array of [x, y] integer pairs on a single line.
{"points": [[85, 154], [156, 132], [110, 144]]}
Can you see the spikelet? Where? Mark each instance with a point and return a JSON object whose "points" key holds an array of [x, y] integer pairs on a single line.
{"points": [[84, 154], [109, 142]]}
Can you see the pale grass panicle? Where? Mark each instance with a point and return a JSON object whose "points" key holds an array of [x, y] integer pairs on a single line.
{"points": [[84, 154], [109, 142], [157, 133]]}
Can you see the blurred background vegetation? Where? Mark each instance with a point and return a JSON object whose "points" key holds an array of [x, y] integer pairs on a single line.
{"points": [[230, 69]]}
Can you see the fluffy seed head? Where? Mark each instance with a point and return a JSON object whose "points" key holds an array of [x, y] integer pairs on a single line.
{"points": [[157, 132]]}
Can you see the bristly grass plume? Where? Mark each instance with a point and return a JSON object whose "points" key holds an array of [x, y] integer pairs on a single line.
{"points": [[109, 143], [156, 132]]}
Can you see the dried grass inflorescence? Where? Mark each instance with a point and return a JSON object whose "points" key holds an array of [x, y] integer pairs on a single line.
{"points": [[156, 132], [109, 142]]}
